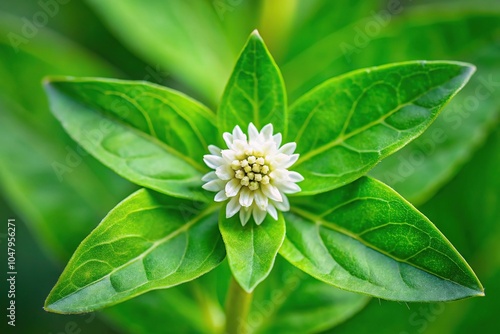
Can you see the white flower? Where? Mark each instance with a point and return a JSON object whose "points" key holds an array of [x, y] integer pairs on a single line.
{"points": [[252, 173]]}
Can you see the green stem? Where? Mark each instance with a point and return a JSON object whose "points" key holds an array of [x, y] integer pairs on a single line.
{"points": [[237, 306]]}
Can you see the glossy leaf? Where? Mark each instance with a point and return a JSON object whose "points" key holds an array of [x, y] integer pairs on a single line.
{"points": [[255, 92], [290, 301], [366, 238], [345, 126], [150, 135], [251, 249], [149, 241]]}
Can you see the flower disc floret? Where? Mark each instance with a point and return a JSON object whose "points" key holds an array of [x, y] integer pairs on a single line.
{"points": [[252, 174]]}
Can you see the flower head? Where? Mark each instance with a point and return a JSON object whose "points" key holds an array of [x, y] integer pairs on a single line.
{"points": [[252, 174]]}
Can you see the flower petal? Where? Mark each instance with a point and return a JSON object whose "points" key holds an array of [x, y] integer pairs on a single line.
{"points": [[272, 192], [238, 134], [277, 139], [214, 185], [272, 211], [213, 161], [245, 214], [232, 187], [233, 206], [284, 205], [259, 215], [253, 133], [289, 188], [246, 197], [267, 131], [260, 200], [209, 177], [214, 149], [220, 197], [295, 177], [288, 148], [224, 172], [293, 159]]}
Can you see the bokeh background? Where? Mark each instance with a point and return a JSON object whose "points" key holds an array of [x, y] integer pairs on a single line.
{"points": [[58, 194]]}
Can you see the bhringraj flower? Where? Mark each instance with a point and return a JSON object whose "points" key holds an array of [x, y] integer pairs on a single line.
{"points": [[252, 174]]}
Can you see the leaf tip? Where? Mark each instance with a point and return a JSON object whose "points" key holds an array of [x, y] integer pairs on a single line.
{"points": [[255, 33]]}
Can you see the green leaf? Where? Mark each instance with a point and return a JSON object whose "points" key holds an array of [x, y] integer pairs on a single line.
{"points": [[150, 135], [366, 238], [290, 301], [345, 126], [251, 249], [255, 92], [149, 241]]}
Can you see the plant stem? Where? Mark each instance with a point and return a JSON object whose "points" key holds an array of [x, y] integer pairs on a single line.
{"points": [[237, 306]]}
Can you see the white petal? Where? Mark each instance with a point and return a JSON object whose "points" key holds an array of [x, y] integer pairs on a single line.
{"points": [[272, 211], [232, 187], [213, 161], [272, 192], [238, 134], [260, 200], [245, 214], [224, 172], [228, 138], [214, 149], [246, 197], [210, 176], [295, 177], [253, 133], [293, 159], [259, 215], [288, 148], [289, 188], [220, 197], [214, 185], [233, 206], [228, 155], [277, 139], [284, 205], [267, 131]]}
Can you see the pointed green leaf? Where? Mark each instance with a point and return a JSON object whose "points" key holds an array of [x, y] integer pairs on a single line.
{"points": [[366, 238], [251, 249], [149, 241], [150, 135], [345, 126], [255, 92]]}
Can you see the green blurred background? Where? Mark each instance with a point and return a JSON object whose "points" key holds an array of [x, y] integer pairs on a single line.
{"points": [[58, 194]]}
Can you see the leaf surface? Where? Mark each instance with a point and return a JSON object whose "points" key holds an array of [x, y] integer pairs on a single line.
{"points": [[149, 241], [345, 126], [255, 92], [150, 135], [366, 238], [251, 249]]}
